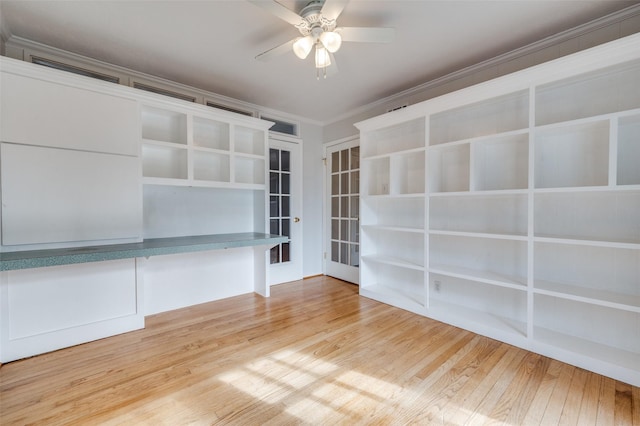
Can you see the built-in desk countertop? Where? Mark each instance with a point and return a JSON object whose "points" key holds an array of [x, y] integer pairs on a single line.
{"points": [[151, 247]]}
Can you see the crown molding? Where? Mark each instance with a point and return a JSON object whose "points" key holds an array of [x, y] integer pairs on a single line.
{"points": [[561, 37], [23, 43], [27, 69], [544, 43]]}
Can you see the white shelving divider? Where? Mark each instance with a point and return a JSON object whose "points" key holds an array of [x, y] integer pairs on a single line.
{"points": [[529, 208], [628, 171]]}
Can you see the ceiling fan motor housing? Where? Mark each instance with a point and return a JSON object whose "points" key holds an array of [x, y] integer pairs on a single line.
{"points": [[314, 23]]}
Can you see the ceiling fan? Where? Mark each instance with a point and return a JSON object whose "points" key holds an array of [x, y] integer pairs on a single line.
{"points": [[317, 26]]}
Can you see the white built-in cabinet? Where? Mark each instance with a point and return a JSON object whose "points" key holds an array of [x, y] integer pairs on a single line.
{"points": [[512, 209], [86, 163], [183, 148], [60, 144]]}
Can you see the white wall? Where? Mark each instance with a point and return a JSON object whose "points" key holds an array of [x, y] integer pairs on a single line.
{"points": [[572, 41], [312, 180]]}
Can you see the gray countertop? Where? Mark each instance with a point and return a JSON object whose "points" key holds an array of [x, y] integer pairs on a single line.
{"points": [[152, 247]]}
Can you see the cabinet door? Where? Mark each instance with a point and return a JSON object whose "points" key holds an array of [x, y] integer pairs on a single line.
{"points": [[37, 112], [54, 195]]}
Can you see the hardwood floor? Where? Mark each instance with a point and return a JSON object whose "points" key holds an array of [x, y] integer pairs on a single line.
{"points": [[313, 353]]}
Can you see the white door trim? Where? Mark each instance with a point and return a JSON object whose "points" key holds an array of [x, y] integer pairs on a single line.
{"points": [[326, 225], [293, 271]]}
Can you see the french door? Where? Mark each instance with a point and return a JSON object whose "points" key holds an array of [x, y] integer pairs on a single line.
{"points": [[285, 210], [342, 217]]}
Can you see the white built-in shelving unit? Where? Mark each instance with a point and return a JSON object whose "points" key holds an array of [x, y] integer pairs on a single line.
{"points": [[512, 209], [392, 214], [182, 148]]}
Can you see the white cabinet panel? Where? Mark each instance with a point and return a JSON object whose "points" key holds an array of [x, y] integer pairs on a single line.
{"points": [[186, 279], [38, 112], [45, 309], [54, 195], [44, 300]]}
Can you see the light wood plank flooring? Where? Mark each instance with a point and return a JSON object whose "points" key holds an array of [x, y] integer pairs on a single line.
{"points": [[313, 353]]}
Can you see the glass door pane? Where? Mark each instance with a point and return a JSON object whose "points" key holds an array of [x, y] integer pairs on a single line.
{"points": [[345, 214], [280, 202]]}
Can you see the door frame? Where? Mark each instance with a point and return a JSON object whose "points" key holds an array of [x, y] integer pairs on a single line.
{"points": [[326, 205], [296, 227]]}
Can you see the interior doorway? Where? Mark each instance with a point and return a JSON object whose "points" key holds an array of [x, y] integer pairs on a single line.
{"points": [[342, 217], [285, 209]]}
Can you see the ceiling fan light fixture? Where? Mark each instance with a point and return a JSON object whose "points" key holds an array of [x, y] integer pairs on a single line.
{"points": [[331, 40], [302, 47], [323, 59]]}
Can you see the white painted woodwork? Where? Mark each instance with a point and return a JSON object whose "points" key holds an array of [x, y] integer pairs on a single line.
{"points": [[290, 270], [342, 215], [75, 177], [527, 226], [180, 280], [182, 148], [52, 195], [45, 309], [46, 113]]}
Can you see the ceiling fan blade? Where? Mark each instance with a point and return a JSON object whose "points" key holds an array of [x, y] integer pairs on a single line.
{"points": [[365, 34], [331, 9], [276, 51], [278, 10]]}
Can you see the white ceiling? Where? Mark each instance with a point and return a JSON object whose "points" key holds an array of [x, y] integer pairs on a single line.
{"points": [[211, 44]]}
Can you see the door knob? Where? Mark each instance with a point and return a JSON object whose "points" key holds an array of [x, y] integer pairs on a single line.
{"points": [[296, 219]]}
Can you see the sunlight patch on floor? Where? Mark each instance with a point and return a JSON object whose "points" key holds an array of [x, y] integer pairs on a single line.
{"points": [[311, 385]]}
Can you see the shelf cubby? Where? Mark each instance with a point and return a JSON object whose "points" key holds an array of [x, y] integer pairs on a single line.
{"points": [[405, 285], [210, 134], [400, 248], [608, 216], [159, 161], [249, 141], [501, 163], [407, 173], [496, 261], [607, 90], [393, 212], [594, 325], [400, 137], [629, 151], [481, 307], [249, 170], [211, 166], [449, 168], [377, 172], [490, 214], [489, 117], [601, 275], [572, 156], [575, 347], [164, 125]]}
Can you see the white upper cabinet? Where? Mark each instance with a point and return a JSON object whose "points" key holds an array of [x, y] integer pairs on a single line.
{"points": [[78, 152], [46, 113], [69, 160], [52, 195]]}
